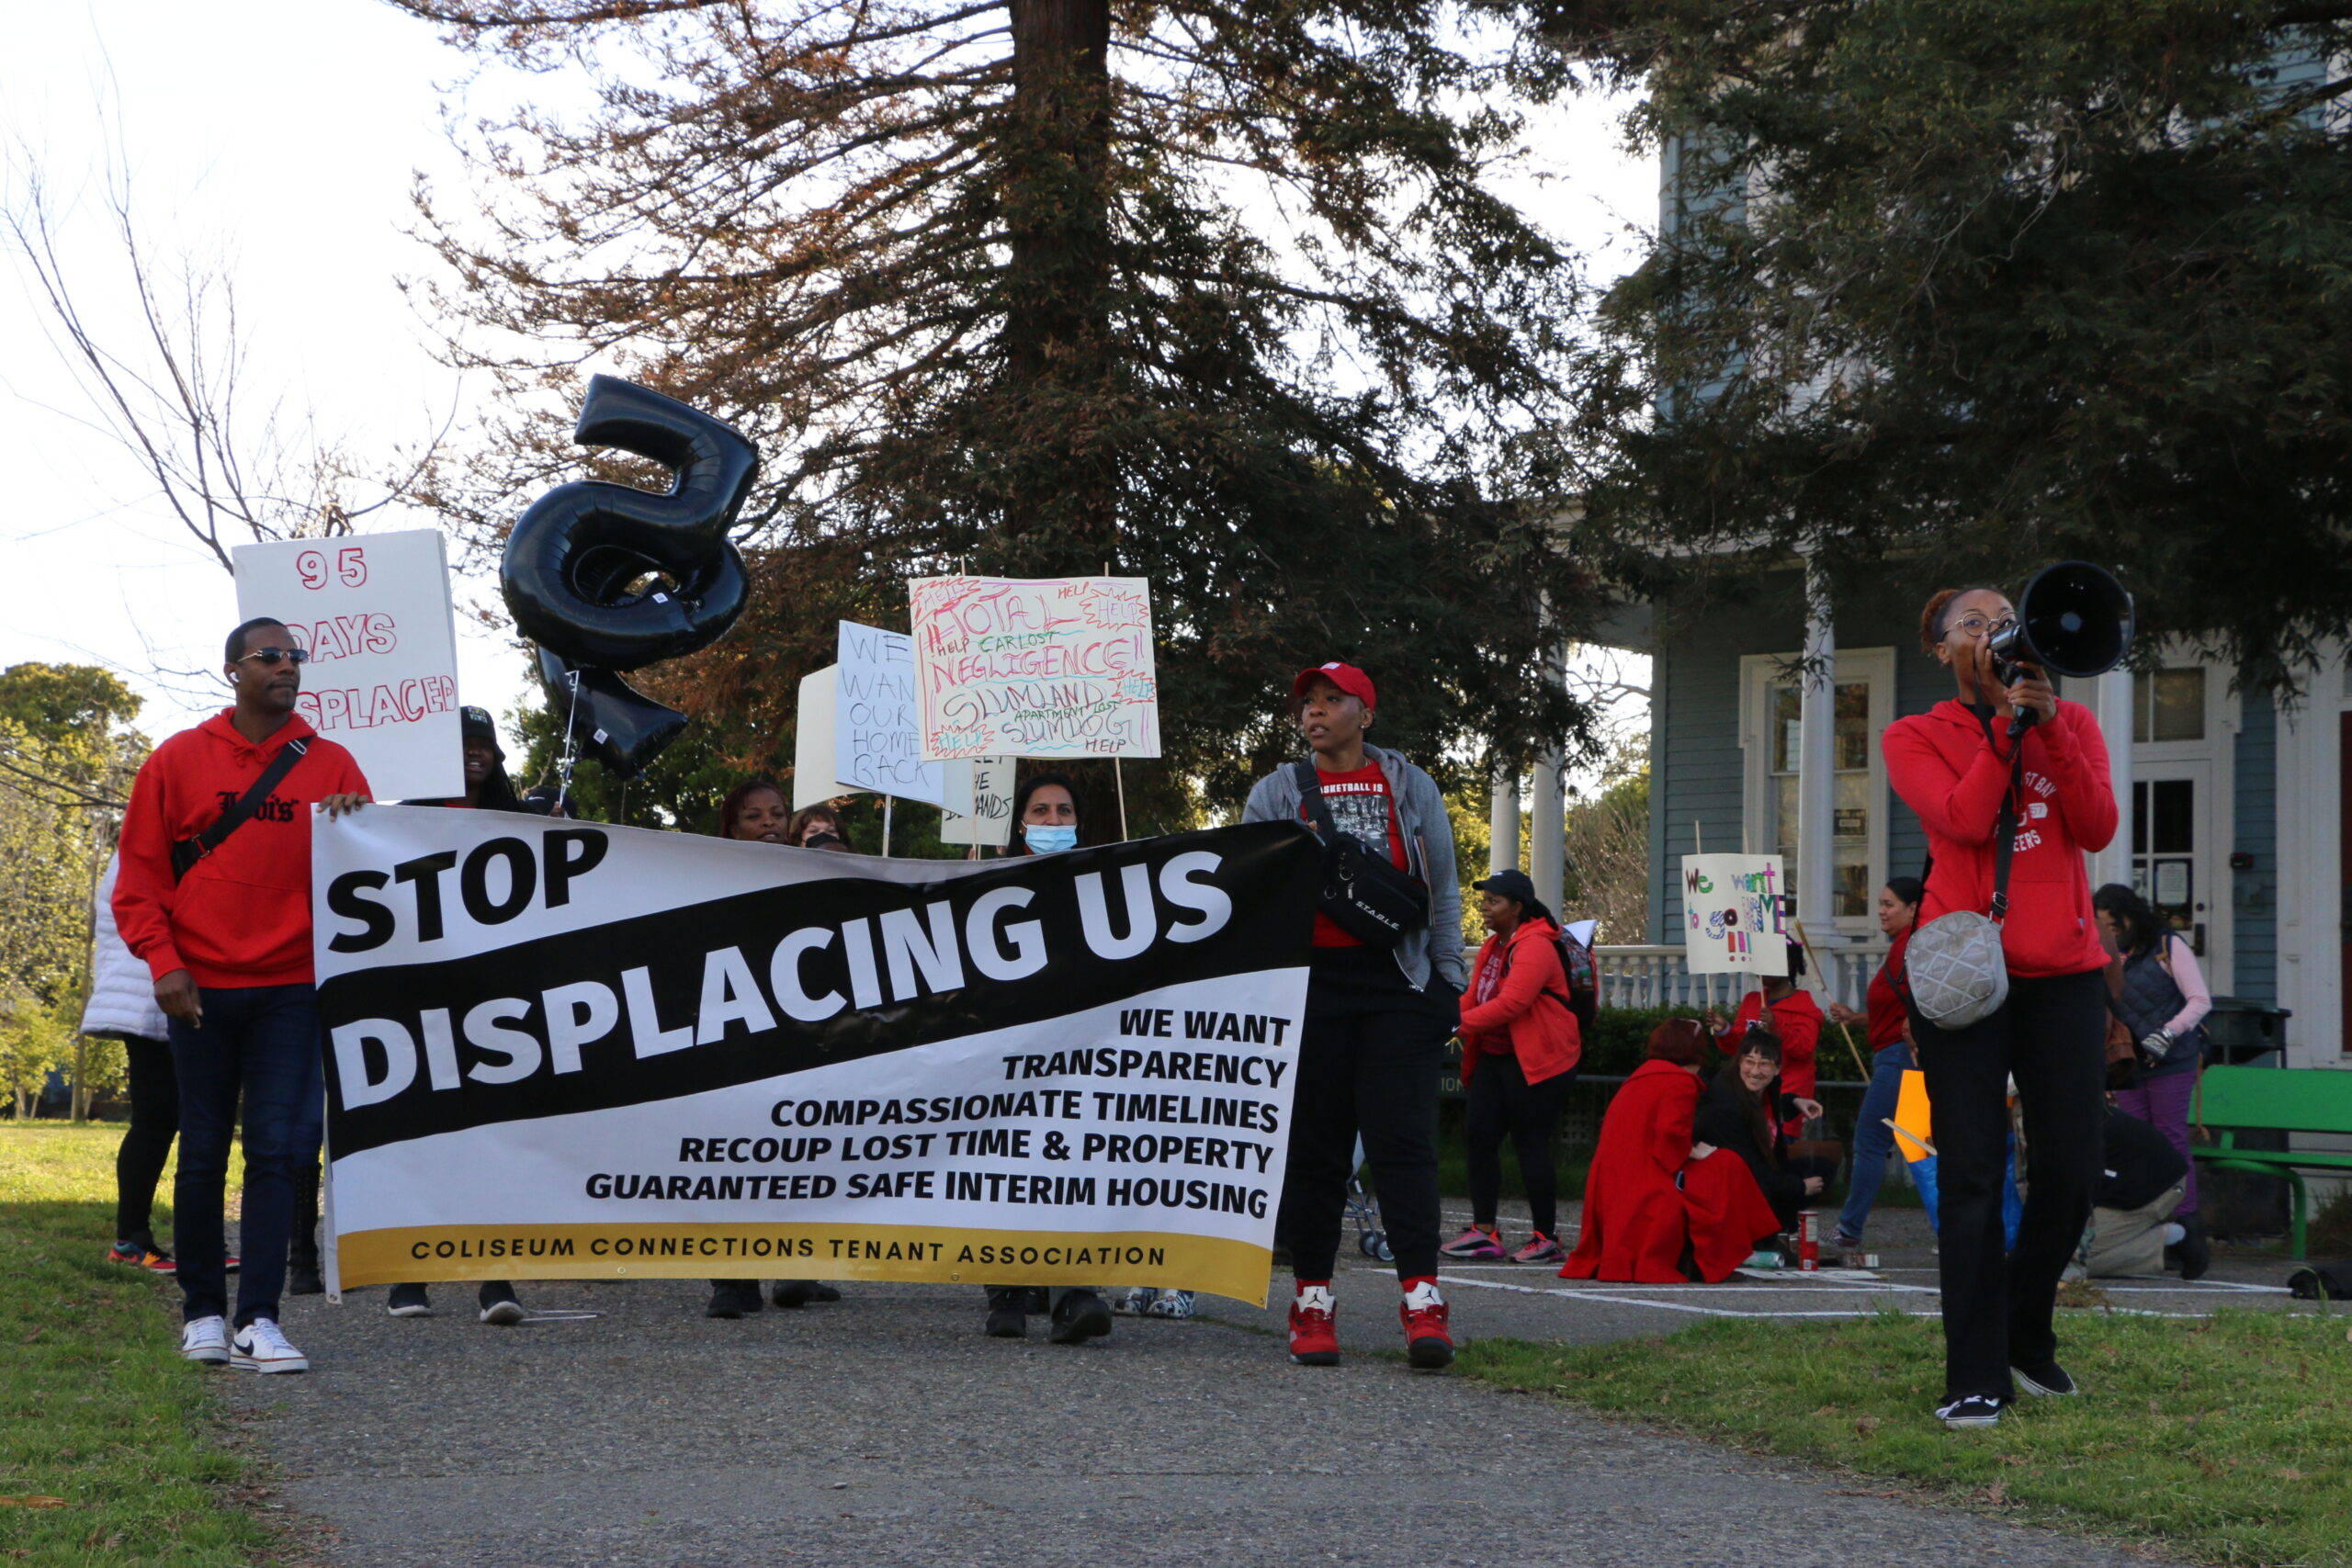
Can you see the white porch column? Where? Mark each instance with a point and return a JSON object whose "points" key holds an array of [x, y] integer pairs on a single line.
{"points": [[1816, 760], [1502, 824], [1546, 845], [2110, 700], [1546, 848]]}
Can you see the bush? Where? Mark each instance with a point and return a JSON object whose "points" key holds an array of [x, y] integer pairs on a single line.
{"points": [[1619, 1035]]}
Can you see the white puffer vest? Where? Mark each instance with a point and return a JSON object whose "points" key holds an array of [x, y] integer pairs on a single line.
{"points": [[122, 994]]}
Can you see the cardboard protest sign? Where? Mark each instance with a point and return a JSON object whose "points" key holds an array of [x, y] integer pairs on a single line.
{"points": [[1048, 667], [1733, 916], [812, 745], [875, 744], [372, 610], [990, 822], [614, 1052]]}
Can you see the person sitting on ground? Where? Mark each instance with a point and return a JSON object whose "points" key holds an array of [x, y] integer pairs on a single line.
{"points": [[1793, 1015], [1744, 1112], [487, 789], [122, 1006], [1046, 822], [1659, 1209], [2141, 1184], [757, 813], [1519, 1047]]}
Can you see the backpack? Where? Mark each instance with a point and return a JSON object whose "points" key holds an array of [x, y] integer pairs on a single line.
{"points": [[1584, 980], [1583, 1000]]}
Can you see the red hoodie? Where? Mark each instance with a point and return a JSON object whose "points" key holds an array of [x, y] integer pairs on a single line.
{"points": [[242, 915], [1945, 769], [1528, 1016]]}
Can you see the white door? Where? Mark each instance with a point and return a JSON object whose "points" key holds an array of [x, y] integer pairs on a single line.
{"points": [[2173, 845]]}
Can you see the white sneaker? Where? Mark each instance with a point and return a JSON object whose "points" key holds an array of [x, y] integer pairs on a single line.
{"points": [[260, 1347], [205, 1340]]}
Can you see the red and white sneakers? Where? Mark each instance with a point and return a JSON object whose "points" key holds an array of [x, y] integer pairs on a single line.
{"points": [[1314, 1327], [1478, 1244], [1427, 1345]]}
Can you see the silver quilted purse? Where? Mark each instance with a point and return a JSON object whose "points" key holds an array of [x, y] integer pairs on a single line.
{"points": [[1957, 973], [1954, 967]]}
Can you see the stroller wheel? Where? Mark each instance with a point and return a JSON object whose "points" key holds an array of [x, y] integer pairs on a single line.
{"points": [[1374, 1246]]}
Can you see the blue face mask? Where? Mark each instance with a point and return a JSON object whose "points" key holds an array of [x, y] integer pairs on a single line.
{"points": [[1043, 839]]}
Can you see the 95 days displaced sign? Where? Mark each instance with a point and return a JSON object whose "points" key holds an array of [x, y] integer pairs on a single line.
{"points": [[560, 1050]]}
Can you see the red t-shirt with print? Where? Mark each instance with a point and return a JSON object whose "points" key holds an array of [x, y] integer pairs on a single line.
{"points": [[1360, 805]]}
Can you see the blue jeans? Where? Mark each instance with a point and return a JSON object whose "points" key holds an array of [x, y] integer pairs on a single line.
{"points": [[262, 1041], [1873, 1139]]}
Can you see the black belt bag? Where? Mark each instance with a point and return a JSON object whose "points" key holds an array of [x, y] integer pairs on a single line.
{"points": [[1363, 892]]}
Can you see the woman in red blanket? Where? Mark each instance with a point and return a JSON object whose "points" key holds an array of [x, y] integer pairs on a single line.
{"points": [[1658, 1211]]}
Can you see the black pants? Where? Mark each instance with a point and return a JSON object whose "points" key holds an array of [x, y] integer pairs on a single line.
{"points": [[1368, 1062], [1499, 1100], [2050, 1035], [154, 1123]]}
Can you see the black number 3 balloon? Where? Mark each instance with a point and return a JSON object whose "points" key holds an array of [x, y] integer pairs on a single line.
{"points": [[607, 577]]}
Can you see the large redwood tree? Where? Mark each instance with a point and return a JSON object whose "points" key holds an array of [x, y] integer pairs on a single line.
{"points": [[1221, 294]]}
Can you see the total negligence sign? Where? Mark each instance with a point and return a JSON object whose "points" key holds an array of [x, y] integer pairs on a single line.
{"points": [[1035, 667], [372, 610], [565, 1051]]}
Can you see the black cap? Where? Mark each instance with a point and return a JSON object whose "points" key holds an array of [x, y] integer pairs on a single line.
{"points": [[475, 724], [1513, 885]]}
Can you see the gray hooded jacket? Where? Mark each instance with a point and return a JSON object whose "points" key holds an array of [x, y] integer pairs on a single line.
{"points": [[1428, 854]]}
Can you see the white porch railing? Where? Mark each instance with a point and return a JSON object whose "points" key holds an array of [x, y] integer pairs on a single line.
{"points": [[1656, 977]]}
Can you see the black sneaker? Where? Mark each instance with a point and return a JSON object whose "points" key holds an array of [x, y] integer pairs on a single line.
{"points": [[1008, 1317], [732, 1297], [2196, 1252], [302, 1277], [794, 1293], [498, 1304], [2046, 1377], [1080, 1318], [1968, 1410], [409, 1300]]}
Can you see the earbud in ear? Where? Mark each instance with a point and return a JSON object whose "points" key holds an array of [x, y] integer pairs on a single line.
{"points": [[234, 677]]}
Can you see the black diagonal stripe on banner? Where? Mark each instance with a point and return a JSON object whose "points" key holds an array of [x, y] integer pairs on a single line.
{"points": [[1268, 872]]}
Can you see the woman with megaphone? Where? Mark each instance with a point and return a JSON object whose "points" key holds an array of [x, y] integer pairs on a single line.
{"points": [[2003, 979]]}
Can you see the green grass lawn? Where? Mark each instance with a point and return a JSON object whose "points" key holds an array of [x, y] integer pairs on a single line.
{"points": [[97, 1408], [2227, 1439]]}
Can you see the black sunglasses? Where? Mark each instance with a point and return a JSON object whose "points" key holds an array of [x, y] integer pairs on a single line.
{"points": [[273, 656]]}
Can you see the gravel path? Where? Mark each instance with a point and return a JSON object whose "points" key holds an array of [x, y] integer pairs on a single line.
{"points": [[885, 1430]]}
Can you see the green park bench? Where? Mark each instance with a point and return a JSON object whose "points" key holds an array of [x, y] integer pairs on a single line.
{"points": [[2238, 1099]]}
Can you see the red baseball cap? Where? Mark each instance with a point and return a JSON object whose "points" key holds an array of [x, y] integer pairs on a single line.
{"points": [[1347, 677]]}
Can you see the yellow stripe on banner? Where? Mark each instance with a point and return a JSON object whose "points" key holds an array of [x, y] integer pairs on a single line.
{"points": [[426, 1253]]}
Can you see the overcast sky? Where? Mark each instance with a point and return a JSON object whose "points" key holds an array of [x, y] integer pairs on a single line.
{"points": [[283, 136]]}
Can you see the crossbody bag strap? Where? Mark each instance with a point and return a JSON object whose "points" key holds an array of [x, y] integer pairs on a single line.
{"points": [[1310, 794], [2007, 825], [187, 852]]}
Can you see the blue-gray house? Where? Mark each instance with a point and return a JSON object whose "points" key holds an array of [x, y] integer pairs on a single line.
{"points": [[2237, 829]]}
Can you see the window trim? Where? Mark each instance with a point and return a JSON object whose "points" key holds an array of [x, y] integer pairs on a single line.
{"points": [[1760, 672]]}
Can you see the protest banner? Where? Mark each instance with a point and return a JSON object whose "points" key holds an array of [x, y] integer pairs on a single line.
{"points": [[990, 822], [1733, 916], [372, 610], [561, 1050], [1051, 667], [875, 744]]}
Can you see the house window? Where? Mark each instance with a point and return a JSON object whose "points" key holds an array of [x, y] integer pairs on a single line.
{"points": [[1773, 705], [2167, 704]]}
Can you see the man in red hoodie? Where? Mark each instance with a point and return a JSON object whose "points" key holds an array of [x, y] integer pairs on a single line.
{"points": [[228, 941]]}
